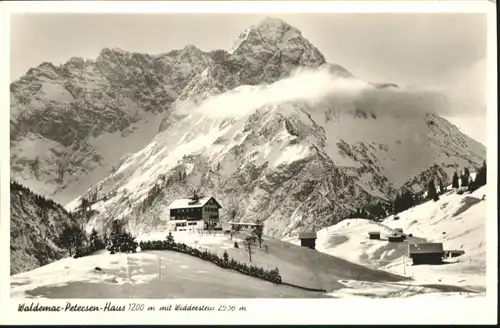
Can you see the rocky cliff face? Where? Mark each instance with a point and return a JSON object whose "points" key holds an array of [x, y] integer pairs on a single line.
{"points": [[62, 117], [35, 226]]}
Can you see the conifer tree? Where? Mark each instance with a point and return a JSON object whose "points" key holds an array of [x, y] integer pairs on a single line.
{"points": [[481, 175], [432, 191], [454, 181], [71, 238], [465, 177], [95, 241], [258, 232], [441, 187], [410, 202], [397, 204]]}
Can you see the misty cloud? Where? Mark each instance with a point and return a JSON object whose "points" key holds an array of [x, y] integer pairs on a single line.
{"points": [[319, 88]]}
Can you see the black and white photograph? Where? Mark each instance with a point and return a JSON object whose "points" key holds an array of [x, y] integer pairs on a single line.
{"points": [[249, 155]]}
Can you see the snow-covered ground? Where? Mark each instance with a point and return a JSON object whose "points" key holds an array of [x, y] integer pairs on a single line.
{"points": [[345, 264], [67, 270], [457, 221], [153, 274], [308, 268]]}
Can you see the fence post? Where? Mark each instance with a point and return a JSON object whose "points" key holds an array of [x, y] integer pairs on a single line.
{"points": [[159, 267], [404, 266]]}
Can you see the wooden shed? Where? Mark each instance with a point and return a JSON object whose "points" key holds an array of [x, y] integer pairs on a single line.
{"points": [[374, 234], [308, 239], [396, 238], [426, 253], [453, 253]]}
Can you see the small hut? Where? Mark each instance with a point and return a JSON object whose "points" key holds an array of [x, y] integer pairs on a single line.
{"points": [[226, 227], [426, 253], [374, 234], [308, 239], [399, 230], [396, 238], [453, 253]]}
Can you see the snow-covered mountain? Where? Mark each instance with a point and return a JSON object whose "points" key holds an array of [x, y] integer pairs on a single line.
{"points": [[71, 123], [276, 133], [35, 226], [298, 149]]}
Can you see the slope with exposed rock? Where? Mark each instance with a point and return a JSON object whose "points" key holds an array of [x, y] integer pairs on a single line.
{"points": [[35, 226]]}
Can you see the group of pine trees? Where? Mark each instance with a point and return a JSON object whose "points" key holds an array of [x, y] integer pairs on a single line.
{"points": [[72, 238], [92, 198], [374, 211], [464, 180], [406, 199], [77, 243], [120, 240], [41, 201]]}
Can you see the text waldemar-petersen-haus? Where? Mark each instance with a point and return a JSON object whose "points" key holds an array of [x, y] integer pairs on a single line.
{"points": [[71, 307]]}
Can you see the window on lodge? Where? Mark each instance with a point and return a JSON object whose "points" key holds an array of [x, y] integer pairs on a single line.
{"points": [[189, 210]]}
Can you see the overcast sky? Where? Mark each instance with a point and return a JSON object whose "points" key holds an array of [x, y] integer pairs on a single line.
{"points": [[445, 51]]}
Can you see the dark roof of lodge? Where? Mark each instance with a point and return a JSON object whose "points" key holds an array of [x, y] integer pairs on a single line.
{"points": [[254, 224], [307, 235], [425, 248]]}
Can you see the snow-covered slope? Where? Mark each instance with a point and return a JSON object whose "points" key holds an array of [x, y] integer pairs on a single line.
{"points": [[457, 221], [305, 147], [35, 225]]}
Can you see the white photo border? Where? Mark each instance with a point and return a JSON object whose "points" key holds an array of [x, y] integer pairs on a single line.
{"points": [[427, 310]]}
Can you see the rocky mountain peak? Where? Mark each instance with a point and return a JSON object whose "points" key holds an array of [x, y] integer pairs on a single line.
{"points": [[191, 49], [46, 65], [271, 26], [76, 62], [271, 50]]}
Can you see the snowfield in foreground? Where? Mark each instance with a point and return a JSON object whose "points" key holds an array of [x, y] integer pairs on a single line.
{"points": [[457, 221], [153, 275]]}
